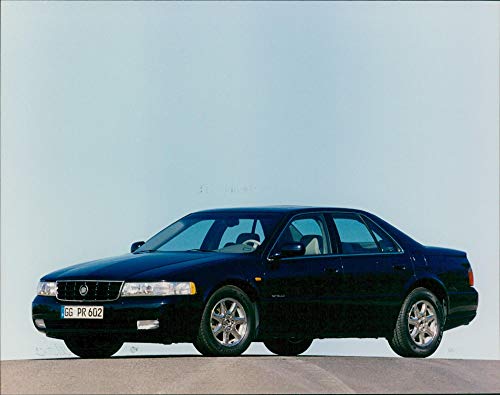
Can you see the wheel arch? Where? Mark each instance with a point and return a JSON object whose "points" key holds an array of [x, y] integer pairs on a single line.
{"points": [[246, 287], [434, 285]]}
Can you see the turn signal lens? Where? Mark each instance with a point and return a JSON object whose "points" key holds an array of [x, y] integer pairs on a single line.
{"points": [[471, 277], [40, 323]]}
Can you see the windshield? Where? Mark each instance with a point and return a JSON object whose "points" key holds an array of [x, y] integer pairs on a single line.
{"points": [[215, 232]]}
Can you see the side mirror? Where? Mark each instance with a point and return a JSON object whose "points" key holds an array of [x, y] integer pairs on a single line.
{"points": [[290, 250], [136, 245]]}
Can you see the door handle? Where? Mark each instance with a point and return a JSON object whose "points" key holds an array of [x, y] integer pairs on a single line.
{"points": [[399, 267], [331, 270]]}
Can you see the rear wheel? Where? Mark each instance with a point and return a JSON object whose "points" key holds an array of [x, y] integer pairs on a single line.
{"points": [[419, 327], [93, 347], [227, 325], [288, 347]]}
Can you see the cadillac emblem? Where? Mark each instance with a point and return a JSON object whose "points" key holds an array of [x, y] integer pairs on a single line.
{"points": [[83, 290]]}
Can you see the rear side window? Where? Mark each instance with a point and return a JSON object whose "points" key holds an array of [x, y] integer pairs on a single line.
{"points": [[384, 241], [355, 237]]}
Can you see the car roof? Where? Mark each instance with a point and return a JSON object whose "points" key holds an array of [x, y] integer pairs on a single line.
{"points": [[278, 209], [289, 210]]}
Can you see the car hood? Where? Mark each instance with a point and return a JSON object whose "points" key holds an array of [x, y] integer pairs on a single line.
{"points": [[128, 266]]}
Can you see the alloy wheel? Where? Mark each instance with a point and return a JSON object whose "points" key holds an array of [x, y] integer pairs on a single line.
{"points": [[422, 323], [228, 322]]}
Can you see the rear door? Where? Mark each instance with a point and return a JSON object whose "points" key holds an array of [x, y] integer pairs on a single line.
{"points": [[395, 269], [372, 276]]}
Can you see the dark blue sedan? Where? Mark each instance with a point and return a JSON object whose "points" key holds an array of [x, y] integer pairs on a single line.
{"points": [[221, 279]]}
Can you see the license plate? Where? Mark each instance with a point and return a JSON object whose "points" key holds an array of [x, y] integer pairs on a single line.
{"points": [[86, 312]]}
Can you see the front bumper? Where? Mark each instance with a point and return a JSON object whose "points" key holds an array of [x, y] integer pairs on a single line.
{"points": [[179, 318]]}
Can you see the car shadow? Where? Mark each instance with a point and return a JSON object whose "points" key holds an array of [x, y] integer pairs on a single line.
{"points": [[190, 356]]}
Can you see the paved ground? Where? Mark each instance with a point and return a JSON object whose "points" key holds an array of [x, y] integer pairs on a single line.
{"points": [[249, 374]]}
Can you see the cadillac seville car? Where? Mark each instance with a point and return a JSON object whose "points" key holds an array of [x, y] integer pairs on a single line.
{"points": [[286, 275]]}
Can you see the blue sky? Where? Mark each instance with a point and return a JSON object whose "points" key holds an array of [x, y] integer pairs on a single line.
{"points": [[118, 118]]}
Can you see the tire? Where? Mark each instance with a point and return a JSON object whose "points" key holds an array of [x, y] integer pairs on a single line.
{"points": [[93, 347], [418, 331], [288, 347], [226, 333]]}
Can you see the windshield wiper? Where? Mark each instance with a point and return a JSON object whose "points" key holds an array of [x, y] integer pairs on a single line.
{"points": [[140, 252], [199, 249]]}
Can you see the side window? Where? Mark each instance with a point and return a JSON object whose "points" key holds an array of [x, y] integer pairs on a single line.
{"points": [[355, 238], [384, 241], [242, 232], [310, 230]]}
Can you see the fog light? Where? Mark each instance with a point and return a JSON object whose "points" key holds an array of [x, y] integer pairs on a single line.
{"points": [[148, 324], [40, 323]]}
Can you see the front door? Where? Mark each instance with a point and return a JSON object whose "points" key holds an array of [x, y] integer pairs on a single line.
{"points": [[298, 292]]}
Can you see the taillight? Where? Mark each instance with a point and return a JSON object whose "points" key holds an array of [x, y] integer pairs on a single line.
{"points": [[471, 277]]}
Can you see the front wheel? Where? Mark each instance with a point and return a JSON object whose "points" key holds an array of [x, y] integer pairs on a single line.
{"points": [[93, 347], [288, 347], [227, 325], [419, 327]]}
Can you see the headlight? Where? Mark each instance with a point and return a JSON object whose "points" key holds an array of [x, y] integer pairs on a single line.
{"points": [[46, 288], [158, 289]]}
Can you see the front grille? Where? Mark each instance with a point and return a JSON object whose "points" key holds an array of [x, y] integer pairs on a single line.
{"points": [[97, 291]]}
